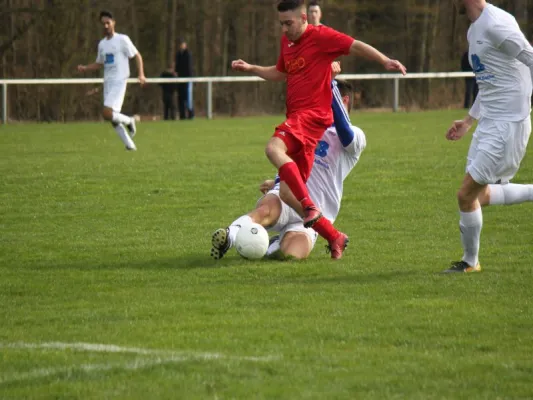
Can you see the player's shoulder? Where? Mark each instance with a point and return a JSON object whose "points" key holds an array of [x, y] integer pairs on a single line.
{"points": [[497, 16], [324, 30], [122, 36]]}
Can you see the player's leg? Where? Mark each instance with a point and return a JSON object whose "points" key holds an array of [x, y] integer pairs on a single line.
{"points": [[289, 172], [114, 93], [484, 161], [337, 241], [506, 194], [266, 213], [470, 222], [511, 193], [297, 244]]}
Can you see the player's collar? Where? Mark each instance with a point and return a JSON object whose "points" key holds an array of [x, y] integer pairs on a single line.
{"points": [[306, 33]]}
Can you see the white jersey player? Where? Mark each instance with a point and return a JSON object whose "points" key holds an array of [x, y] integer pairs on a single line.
{"points": [[114, 52], [336, 154], [502, 60]]}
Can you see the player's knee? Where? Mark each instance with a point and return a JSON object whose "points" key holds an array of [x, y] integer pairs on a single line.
{"points": [[107, 114], [464, 198], [263, 211], [271, 151]]}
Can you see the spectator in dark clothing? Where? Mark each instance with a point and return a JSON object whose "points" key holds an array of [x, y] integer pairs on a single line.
{"points": [[184, 70], [471, 88], [168, 90]]}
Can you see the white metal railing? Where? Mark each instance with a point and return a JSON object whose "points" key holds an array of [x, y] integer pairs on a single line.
{"points": [[217, 79]]}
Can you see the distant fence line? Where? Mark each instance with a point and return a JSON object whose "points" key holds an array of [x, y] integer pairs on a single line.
{"points": [[209, 80]]}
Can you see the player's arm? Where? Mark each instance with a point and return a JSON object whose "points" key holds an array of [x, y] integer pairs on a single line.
{"points": [[268, 73], [95, 66], [460, 127], [268, 185], [341, 118], [140, 67], [516, 46], [90, 67], [361, 49]]}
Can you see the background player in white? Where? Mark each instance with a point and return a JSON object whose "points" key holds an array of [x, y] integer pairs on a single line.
{"points": [[502, 60], [337, 153], [114, 52]]}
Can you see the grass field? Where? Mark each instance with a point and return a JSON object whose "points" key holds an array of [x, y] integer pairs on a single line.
{"points": [[107, 289]]}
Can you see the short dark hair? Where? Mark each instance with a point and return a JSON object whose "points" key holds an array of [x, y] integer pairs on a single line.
{"points": [[105, 13], [345, 87], [290, 5], [313, 3]]}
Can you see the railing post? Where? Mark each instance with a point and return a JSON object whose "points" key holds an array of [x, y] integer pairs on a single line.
{"points": [[4, 103], [210, 100], [396, 94]]}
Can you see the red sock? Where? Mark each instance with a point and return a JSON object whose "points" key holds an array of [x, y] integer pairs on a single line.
{"points": [[290, 174], [326, 229]]}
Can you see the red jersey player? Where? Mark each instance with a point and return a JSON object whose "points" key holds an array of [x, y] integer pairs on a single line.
{"points": [[307, 52]]}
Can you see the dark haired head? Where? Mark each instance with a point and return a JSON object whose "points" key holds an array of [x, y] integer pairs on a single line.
{"points": [[107, 14], [313, 3], [346, 89], [290, 5]]}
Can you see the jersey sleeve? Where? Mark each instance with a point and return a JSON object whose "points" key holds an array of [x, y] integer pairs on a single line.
{"points": [[100, 55], [341, 117], [128, 47], [500, 32], [333, 42], [515, 44]]}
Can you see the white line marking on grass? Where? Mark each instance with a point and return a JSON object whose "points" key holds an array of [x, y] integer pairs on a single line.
{"points": [[89, 368], [111, 348], [151, 357]]}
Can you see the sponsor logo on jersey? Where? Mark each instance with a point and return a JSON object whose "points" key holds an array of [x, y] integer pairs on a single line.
{"points": [[477, 66], [322, 149], [109, 58], [294, 65]]}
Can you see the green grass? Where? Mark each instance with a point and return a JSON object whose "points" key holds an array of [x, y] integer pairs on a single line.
{"points": [[99, 245]]}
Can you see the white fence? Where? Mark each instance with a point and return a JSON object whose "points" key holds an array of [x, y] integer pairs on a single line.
{"points": [[210, 79]]}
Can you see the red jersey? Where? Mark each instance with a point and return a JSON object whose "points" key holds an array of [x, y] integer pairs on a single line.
{"points": [[307, 63]]}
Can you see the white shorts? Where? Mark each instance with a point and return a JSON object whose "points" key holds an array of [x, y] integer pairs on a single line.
{"points": [[114, 92], [290, 221], [497, 149]]}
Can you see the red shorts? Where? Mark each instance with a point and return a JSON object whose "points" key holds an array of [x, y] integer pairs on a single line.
{"points": [[301, 133]]}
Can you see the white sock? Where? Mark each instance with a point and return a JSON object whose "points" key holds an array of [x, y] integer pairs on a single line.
{"points": [[235, 226], [274, 246], [124, 136], [511, 193], [119, 118], [470, 224]]}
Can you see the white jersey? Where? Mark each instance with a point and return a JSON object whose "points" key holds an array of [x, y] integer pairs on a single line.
{"points": [[115, 53], [333, 163], [504, 82]]}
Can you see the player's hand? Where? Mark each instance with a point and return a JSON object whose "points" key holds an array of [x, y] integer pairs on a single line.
{"points": [[82, 68], [335, 69], [240, 65], [395, 66], [458, 129], [266, 186], [142, 80]]}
